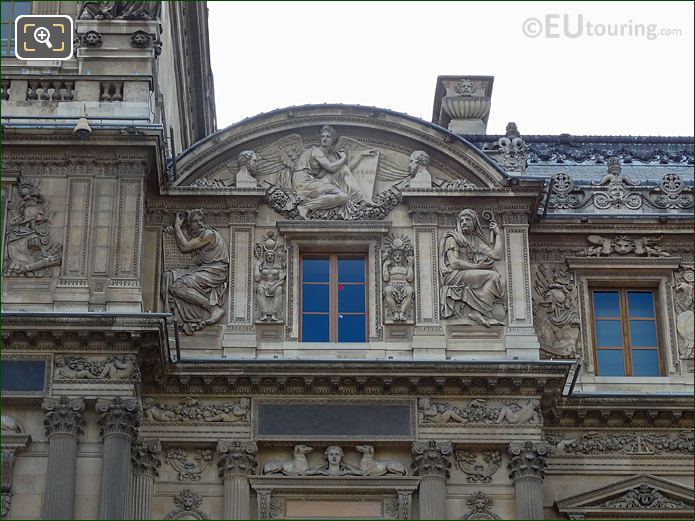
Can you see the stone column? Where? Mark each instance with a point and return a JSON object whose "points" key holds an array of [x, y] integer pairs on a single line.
{"points": [[527, 468], [63, 423], [118, 421], [145, 462], [237, 463], [432, 461]]}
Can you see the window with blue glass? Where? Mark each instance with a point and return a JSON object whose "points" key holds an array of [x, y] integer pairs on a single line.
{"points": [[333, 298], [626, 339], [9, 11]]}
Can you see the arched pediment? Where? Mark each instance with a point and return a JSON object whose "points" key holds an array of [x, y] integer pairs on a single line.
{"points": [[385, 138]]}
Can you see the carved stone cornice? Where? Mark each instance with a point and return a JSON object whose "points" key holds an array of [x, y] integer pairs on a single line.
{"points": [[238, 458], [144, 457], [527, 460], [119, 416], [63, 416], [431, 458]]}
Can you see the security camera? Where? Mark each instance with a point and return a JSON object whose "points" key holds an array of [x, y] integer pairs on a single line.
{"points": [[82, 129]]}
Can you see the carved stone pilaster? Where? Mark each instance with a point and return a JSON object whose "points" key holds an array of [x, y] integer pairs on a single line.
{"points": [[63, 423], [527, 463], [12, 442], [405, 499], [432, 461], [238, 461], [145, 463], [118, 423], [263, 503]]}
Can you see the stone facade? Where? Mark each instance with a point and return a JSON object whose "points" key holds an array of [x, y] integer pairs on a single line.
{"points": [[156, 364]]}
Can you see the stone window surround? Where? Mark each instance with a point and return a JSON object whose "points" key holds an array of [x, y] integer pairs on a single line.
{"points": [[656, 277]]}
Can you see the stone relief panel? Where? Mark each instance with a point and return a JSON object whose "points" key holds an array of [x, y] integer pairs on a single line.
{"points": [[418, 168], [110, 367], [683, 291], [119, 10], [621, 443], [191, 410], [335, 179], [270, 275], [556, 310], [644, 246], [397, 272], [189, 464], [478, 467], [334, 464], [478, 411], [29, 249], [196, 295], [479, 505], [472, 289], [645, 497], [188, 505], [245, 167]]}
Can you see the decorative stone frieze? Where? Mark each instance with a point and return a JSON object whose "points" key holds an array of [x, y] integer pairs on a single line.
{"points": [[620, 443], [148, 10], [191, 410], [623, 245], [110, 367], [478, 411]]}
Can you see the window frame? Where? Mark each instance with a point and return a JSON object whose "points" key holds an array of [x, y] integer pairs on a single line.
{"points": [[333, 284], [625, 318], [8, 50]]}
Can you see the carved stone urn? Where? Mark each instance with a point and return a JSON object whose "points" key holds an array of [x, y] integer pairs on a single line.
{"points": [[465, 106]]}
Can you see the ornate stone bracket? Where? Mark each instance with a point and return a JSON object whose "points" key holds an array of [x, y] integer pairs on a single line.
{"points": [[13, 441]]}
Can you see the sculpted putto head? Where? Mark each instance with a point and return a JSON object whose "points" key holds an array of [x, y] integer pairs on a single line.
{"points": [[419, 158], [250, 159]]}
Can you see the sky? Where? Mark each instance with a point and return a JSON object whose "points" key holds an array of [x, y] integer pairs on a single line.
{"points": [[602, 68]]}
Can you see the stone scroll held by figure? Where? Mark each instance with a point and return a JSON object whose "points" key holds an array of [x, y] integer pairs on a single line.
{"points": [[196, 295]]}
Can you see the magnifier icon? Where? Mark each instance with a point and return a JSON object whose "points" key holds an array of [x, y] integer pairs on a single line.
{"points": [[42, 35]]}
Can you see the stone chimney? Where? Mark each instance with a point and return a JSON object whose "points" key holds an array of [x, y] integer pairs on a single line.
{"points": [[462, 103]]}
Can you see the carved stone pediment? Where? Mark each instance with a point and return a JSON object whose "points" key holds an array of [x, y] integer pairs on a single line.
{"points": [[642, 496], [367, 156]]}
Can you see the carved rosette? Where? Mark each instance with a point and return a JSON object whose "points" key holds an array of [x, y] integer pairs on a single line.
{"points": [[527, 460], [118, 416], [238, 458], [145, 457], [63, 416], [188, 505], [431, 458]]}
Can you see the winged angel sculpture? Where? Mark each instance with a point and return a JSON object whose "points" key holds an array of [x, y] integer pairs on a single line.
{"points": [[333, 180]]}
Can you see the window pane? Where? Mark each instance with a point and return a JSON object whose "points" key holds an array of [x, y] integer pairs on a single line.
{"points": [[351, 328], [5, 11], [640, 303], [315, 297], [645, 362], [315, 270], [351, 269], [315, 328], [610, 363], [642, 333], [608, 333], [351, 298], [606, 304]]}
